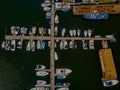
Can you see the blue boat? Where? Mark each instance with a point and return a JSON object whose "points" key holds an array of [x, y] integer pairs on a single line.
{"points": [[96, 16], [65, 9]]}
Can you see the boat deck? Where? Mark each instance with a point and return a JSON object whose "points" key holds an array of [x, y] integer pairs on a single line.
{"points": [[107, 64], [96, 8]]}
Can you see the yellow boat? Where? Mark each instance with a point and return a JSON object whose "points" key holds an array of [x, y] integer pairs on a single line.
{"points": [[41, 30]]}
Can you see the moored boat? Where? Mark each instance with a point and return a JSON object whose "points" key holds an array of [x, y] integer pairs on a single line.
{"points": [[56, 19], [13, 45], [56, 56], [63, 71], [41, 82], [38, 44], [63, 32], [61, 77], [63, 88], [28, 46], [40, 67], [41, 73], [110, 83]]}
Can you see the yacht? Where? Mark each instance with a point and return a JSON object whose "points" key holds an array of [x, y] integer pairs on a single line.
{"points": [[85, 33], [41, 73], [91, 44], [63, 88], [110, 83], [56, 19], [13, 45], [40, 67], [78, 32], [56, 56], [63, 71], [41, 82], [28, 46]]}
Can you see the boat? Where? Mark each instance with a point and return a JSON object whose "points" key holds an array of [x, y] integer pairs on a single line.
{"points": [[48, 15], [49, 31], [56, 19], [85, 33], [46, 8], [110, 83], [74, 32], [19, 44], [65, 44], [17, 30], [41, 73], [97, 36], [56, 31], [41, 82], [3, 44], [13, 29], [91, 44], [38, 44], [43, 44], [63, 88], [63, 32], [28, 46], [61, 44], [56, 56], [85, 45], [109, 36], [63, 71], [71, 33], [41, 30], [96, 16], [33, 30], [13, 45], [71, 44], [46, 4], [23, 30], [78, 32], [61, 77], [32, 45], [49, 44], [8, 45], [40, 67], [58, 84], [89, 32]]}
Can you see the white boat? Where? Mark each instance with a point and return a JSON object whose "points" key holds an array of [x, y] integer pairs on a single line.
{"points": [[110, 83], [78, 32], [28, 46], [85, 45], [85, 33], [56, 56], [48, 15], [3, 44], [41, 82], [91, 44], [97, 36], [46, 8], [49, 31], [33, 89], [38, 44], [63, 88], [13, 45], [17, 30], [41, 73], [33, 30], [32, 45], [71, 33], [63, 32], [56, 31], [40, 67], [61, 44], [47, 1], [61, 76], [74, 32], [47, 4], [71, 44], [109, 36], [23, 30], [8, 45], [65, 44], [19, 44], [56, 19], [89, 32], [63, 71], [49, 44], [13, 29]]}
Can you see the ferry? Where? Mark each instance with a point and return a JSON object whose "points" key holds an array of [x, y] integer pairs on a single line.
{"points": [[56, 19], [110, 83], [41, 73], [96, 16]]}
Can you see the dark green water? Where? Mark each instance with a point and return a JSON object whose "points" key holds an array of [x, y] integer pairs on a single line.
{"points": [[17, 68]]}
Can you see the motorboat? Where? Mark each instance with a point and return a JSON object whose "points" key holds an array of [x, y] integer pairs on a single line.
{"points": [[41, 73], [33, 30], [110, 83], [85, 33], [56, 56], [48, 15], [49, 43], [71, 44], [85, 45], [89, 32], [61, 44], [65, 44], [38, 44], [41, 82], [28, 46], [40, 67], [17, 30], [91, 44], [63, 88], [23, 30], [46, 8], [61, 77], [74, 32], [56, 19], [44, 31], [63, 71], [56, 31], [13, 29], [71, 33], [19, 44], [63, 32], [32, 45], [78, 32], [13, 45], [41, 30], [109, 36], [43, 44], [49, 31], [8, 45]]}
